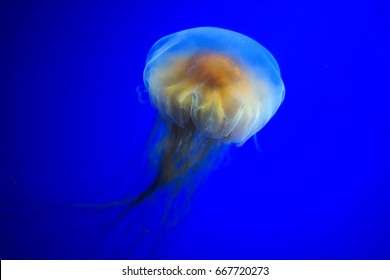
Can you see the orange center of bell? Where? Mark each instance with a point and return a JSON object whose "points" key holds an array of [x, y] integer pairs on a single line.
{"points": [[213, 70]]}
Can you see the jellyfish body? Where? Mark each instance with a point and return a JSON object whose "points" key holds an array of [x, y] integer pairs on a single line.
{"points": [[212, 87], [227, 84]]}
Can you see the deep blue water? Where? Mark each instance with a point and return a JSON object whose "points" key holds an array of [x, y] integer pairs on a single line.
{"points": [[73, 131]]}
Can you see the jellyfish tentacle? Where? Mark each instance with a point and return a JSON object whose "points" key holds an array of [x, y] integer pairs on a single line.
{"points": [[183, 150]]}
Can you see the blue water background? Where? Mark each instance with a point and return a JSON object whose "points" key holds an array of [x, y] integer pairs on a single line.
{"points": [[73, 131]]}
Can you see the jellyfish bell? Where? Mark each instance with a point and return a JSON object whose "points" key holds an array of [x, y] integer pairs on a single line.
{"points": [[226, 83], [212, 87]]}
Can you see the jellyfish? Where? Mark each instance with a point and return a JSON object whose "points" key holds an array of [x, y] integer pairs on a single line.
{"points": [[212, 88]]}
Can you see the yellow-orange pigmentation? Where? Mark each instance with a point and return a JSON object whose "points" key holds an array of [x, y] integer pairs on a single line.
{"points": [[214, 71], [217, 80]]}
